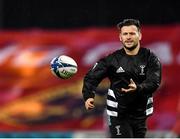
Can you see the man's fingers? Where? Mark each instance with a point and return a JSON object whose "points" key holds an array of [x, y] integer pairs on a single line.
{"points": [[89, 103], [125, 90], [89, 107], [131, 81], [132, 87]]}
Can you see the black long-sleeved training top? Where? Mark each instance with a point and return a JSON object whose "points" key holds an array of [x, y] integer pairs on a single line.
{"points": [[145, 70]]}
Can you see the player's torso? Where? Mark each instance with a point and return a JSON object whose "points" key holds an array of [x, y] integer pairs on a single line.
{"points": [[124, 67]]}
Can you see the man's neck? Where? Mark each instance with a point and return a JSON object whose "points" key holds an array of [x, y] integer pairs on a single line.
{"points": [[133, 52]]}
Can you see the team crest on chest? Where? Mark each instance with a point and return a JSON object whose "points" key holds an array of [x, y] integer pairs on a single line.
{"points": [[142, 69]]}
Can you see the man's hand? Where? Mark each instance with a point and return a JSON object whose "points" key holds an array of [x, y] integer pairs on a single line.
{"points": [[89, 104], [132, 87]]}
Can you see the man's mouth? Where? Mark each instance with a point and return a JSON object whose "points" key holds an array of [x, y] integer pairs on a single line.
{"points": [[129, 42]]}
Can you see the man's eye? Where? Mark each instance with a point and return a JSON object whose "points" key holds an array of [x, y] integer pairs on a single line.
{"points": [[132, 33]]}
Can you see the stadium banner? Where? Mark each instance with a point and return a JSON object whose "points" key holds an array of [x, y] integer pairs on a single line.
{"points": [[33, 99]]}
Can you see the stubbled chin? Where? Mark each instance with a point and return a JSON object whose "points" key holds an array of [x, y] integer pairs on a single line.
{"points": [[130, 47]]}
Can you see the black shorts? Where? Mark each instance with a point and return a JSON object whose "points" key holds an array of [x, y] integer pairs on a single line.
{"points": [[127, 127]]}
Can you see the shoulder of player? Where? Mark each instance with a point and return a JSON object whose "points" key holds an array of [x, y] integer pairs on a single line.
{"points": [[146, 52], [150, 54], [115, 53], [110, 57]]}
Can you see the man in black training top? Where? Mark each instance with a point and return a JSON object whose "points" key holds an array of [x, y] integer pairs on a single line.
{"points": [[135, 74]]}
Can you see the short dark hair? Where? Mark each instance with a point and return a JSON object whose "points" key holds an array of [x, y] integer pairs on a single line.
{"points": [[128, 22]]}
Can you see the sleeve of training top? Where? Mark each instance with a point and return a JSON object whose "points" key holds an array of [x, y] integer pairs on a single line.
{"points": [[153, 77], [93, 78]]}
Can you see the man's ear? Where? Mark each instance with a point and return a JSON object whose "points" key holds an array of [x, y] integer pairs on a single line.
{"points": [[140, 36], [120, 37]]}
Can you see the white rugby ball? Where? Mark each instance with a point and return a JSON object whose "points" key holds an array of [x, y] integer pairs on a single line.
{"points": [[63, 67]]}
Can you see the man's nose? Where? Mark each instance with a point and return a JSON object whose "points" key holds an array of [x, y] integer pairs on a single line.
{"points": [[128, 36]]}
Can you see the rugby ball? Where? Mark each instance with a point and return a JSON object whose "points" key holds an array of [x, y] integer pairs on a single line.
{"points": [[63, 67]]}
